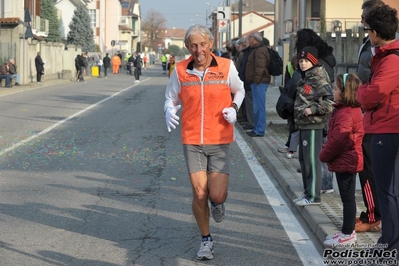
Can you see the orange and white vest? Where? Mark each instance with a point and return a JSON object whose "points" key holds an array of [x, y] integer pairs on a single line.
{"points": [[203, 100]]}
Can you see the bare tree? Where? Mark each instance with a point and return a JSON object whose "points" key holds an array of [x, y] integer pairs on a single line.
{"points": [[153, 27]]}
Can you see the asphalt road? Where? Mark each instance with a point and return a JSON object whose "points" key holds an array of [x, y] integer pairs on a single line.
{"points": [[90, 176]]}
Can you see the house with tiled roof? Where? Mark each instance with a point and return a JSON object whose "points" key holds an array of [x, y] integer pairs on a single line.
{"points": [[174, 36], [22, 12]]}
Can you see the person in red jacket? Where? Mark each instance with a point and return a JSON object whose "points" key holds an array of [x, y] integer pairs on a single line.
{"points": [[379, 98], [343, 152]]}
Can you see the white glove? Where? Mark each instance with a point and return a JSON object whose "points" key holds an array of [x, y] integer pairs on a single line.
{"points": [[172, 118], [230, 115]]}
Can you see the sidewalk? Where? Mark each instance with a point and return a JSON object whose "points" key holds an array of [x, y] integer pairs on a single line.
{"points": [[325, 219]]}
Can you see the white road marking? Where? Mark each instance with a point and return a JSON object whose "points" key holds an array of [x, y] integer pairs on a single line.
{"points": [[299, 239], [47, 130]]}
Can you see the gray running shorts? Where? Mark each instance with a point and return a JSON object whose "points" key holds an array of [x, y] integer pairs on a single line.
{"points": [[210, 158]]}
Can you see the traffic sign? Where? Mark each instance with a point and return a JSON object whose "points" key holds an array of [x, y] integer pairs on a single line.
{"points": [[223, 25], [223, 12]]}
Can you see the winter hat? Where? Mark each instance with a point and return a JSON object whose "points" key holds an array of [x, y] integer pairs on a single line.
{"points": [[310, 53]]}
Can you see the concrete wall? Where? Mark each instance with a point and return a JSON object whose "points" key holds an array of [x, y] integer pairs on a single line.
{"points": [[60, 62]]}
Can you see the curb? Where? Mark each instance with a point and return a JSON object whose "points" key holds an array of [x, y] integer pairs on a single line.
{"points": [[315, 217]]}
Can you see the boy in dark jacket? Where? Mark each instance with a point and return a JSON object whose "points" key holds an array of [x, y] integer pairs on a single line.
{"points": [[313, 103]]}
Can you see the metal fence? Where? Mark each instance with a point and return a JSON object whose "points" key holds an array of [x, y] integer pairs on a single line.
{"points": [[7, 51]]}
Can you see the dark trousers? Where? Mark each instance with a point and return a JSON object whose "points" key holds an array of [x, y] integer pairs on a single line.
{"points": [[105, 71], [38, 76], [82, 73], [310, 142], [385, 164], [367, 183], [347, 185], [137, 71], [249, 108]]}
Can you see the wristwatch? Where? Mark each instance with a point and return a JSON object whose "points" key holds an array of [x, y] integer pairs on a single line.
{"points": [[235, 107]]}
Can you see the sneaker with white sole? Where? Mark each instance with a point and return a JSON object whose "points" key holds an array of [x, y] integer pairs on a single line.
{"points": [[327, 191], [329, 237], [306, 202], [298, 199], [340, 240], [290, 155], [206, 250], [218, 212]]}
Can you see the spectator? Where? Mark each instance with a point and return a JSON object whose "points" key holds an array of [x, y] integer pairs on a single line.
{"points": [[307, 37], [248, 101], [127, 57], [107, 64], [137, 67], [343, 152], [4, 74], [369, 220], [171, 65], [313, 104], [241, 44], [100, 63], [13, 71], [205, 141], [77, 66], [164, 61], [229, 50], [257, 75], [290, 88], [145, 61], [379, 98], [131, 64], [39, 64], [120, 60], [83, 64]]}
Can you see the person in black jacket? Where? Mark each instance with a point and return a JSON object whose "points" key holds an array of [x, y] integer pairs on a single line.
{"points": [[130, 63], [39, 67], [137, 67], [83, 64], [107, 64], [291, 79], [77, 58], [248, 101]]}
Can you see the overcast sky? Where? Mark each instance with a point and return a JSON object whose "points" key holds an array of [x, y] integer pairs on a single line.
{"points": [[183, 13]]}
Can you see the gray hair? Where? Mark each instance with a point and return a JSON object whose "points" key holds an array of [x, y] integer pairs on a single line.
{"points": [[256, 36], [198, 28], [241, 40], [38, 53]]}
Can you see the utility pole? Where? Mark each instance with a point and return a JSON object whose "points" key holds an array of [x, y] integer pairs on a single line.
{"points": [[302, 14], [239, 18]]}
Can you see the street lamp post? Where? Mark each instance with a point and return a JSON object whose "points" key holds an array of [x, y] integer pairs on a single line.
{"points": [[240, 18], [208, 13]]}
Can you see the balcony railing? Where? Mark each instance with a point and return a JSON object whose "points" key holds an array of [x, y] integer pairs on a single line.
{"points": [[332, 24]]}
